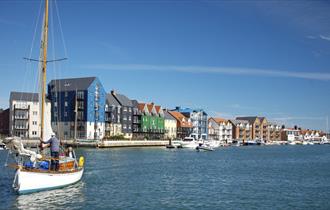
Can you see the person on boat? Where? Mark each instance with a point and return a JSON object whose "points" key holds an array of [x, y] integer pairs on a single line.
{"points": [[70, 153], [54, 144]]}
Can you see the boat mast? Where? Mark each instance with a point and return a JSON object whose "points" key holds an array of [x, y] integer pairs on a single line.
{"points": [[44, 64]]}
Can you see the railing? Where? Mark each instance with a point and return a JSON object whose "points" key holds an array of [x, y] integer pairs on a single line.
{"points": [[21, 117]]}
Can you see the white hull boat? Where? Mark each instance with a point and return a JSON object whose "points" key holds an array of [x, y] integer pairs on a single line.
{"points": [[32, 169], [28, 181]]}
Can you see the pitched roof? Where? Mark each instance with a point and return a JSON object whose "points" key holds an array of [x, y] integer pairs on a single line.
{"points": [[122, 99], [150, 106], [157, 108], [218, 120], [112, 100], [71, 84], [251, 119], [183, 121], [167, 115], [141, 106], [24, 96], [236, 122]]}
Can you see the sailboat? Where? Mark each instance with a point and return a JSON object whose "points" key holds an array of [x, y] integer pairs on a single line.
{"points": [[32, 169]]}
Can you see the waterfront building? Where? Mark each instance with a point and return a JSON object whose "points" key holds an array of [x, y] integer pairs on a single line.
{"points": [[78, 108], [24, 116], [151, 121], [126, 114], [4, 122], [112, 117], [242, 130], [220, 129], [264, 131], [198, 118], [259, 126], [170, 125], [183, 124], [274, 132], [311, 135], [290, 134]]}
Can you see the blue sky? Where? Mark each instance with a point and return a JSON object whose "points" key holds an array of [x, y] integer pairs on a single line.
{"points": [[232, 58]]}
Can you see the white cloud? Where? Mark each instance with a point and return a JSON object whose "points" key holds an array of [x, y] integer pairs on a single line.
{"points": [[327, 38], [212, 70]]}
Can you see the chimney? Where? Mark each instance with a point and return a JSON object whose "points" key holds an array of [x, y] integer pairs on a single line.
{"points": [[113, 92], [152, 103]]}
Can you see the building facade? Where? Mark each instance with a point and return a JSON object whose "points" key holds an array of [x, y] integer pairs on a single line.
{"points": [[170, 125], [126, 114], [4, 122], [274, 132], [24, 115], [151, 121], [290, 134], [220, 129], [241, 130], [112, 117], [78, 108], [198, 118], [184, 127]]}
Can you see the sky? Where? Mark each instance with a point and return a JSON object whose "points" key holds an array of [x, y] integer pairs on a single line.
{"points": [[231, 58]]}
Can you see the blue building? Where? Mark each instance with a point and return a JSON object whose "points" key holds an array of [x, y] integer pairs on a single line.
{"points": [[198, 119], [78, 107]]}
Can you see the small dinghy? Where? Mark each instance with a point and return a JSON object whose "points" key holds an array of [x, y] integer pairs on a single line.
{"points": [[203, 147]]}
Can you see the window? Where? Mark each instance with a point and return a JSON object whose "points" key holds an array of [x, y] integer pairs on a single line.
{"points": [[129, 118], [35, 113], [124, 118], [66, 94], [65, 123], [65, 114], [65, 103], [80, 95], [124, 126], [34, 122], [125, 109], [129, 127], [130, 109], [55, 104], [34, 133]]}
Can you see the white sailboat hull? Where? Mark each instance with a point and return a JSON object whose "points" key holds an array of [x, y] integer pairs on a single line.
{"points": [[28, 182]]}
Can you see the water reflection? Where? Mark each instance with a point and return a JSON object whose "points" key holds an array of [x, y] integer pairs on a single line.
{"points": [[71, 197]]}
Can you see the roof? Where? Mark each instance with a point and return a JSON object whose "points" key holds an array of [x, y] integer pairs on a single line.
{"points": [[236, 122], [218, 120], [183, 121], [150, 106], [141, 106], [112, 100], [71, 84], [157, 109], [168, 116], [135, 103], [24, 96], [251, 119], [122, 99]]}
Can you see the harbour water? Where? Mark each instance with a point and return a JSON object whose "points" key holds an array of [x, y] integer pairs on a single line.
{"points": [[256, 177]]}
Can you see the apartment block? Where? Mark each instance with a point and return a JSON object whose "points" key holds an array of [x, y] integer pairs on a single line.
{"points": [[242, 130], [220, 129], [24, 116]]}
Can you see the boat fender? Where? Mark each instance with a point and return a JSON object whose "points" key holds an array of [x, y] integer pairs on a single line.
{"points": [[81, 161]]}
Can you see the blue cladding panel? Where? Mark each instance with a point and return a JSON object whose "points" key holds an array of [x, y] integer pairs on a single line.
{"points": [[91, 113]]}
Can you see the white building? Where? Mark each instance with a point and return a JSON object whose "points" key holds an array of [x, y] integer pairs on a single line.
{"points": [[220, 129], [24, 116], [170, 126]]}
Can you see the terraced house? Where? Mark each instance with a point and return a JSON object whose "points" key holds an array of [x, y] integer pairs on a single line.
{"points": [[274, 132], [256, 126], [151, 121], [126, 114], [78, 107], [242, 130], [198, 118], [220, 129], [184, 126], [112, 117]]}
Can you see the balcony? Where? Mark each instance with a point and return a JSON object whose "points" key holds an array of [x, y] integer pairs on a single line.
{"points": [[21, 127], [21, 117], [21, 106]]}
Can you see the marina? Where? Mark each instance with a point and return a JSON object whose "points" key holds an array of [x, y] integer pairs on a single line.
{"points": [[267, 177]]}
